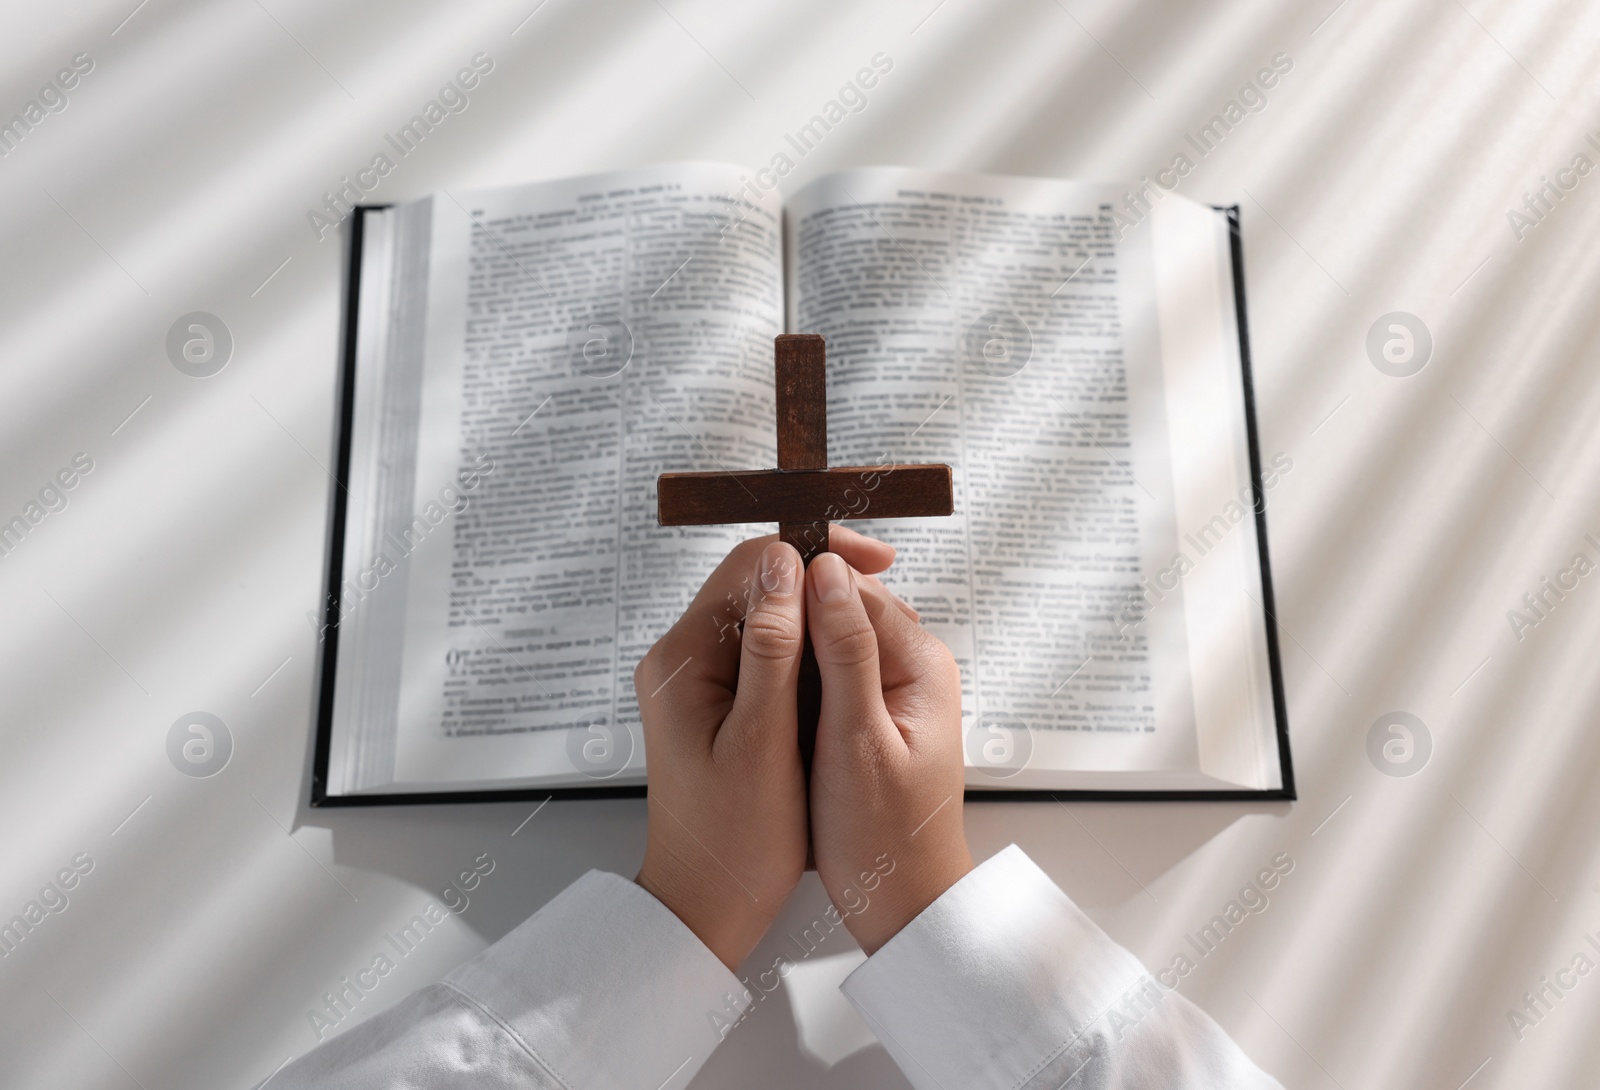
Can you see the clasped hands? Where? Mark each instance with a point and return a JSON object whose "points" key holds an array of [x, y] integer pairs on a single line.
{"points": [[731, 814]]}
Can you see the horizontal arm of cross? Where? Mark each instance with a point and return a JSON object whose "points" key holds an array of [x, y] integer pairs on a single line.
{"points": [[804, 495]]}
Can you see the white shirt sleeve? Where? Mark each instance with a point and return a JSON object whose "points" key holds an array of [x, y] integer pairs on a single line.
{"points": [[1003, 982], [603, 987]]}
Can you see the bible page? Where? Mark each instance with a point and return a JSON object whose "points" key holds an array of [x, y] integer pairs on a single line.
{"points": [[1002, 326], [583, 335]]}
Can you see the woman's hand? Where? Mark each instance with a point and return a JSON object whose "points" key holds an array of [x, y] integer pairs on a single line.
{"points": [[887, 779], [728, 832]]}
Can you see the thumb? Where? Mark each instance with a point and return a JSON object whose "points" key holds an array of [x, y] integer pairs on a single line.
{"points": [[844, 642], [769, 648]]}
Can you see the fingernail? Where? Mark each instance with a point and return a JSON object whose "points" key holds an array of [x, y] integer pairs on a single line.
{"points": [[832, 578], [779, 573]]}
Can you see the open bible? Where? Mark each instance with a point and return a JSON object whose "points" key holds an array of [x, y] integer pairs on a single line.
{"points": [[522, 363]]}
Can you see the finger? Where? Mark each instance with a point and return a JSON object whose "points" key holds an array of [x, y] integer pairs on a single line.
{"points": [[863, 553], [903, 605], [845, 645], [921, 682], [719, 607], [903, 644], [769, 659], [704, 643]]}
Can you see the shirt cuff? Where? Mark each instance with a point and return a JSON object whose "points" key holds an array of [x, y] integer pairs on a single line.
{"points": [[998, 982], [607, 988]]}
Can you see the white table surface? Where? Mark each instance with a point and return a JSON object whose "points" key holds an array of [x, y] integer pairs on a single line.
{"points": [[1419, 510]]}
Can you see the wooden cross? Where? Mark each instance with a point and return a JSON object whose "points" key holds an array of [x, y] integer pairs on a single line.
{"points": [[804, 493]]}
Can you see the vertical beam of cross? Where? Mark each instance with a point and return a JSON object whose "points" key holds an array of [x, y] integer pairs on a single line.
{"points": [[802, 389]]}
